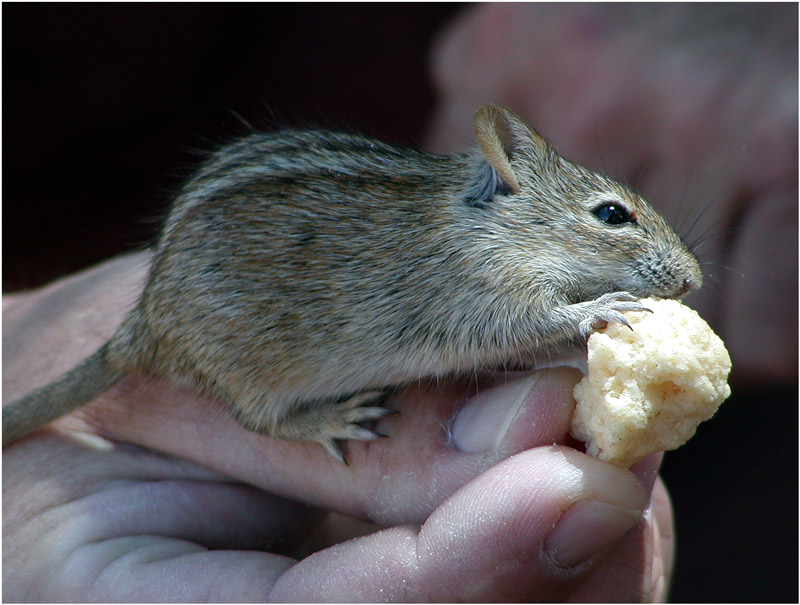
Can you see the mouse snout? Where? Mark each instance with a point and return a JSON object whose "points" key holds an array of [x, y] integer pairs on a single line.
{"points": [[689, 285], [691, 282], [671, 275]]}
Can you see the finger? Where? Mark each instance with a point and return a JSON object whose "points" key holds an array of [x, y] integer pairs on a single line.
{"points": [[395, 480], [442, 441], [141, 569], [639, 567], [517, 415], [662, 512], [634, 571], [212, 514], [87, 513], [531, 527]]}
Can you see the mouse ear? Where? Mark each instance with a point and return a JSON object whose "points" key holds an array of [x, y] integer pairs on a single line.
{"points": [[501, 134]]}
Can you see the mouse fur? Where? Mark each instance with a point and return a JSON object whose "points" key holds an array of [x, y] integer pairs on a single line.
{"points": [[302, 274]]}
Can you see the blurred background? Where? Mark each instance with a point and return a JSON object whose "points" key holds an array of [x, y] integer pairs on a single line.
{"points": [[107, 109]]}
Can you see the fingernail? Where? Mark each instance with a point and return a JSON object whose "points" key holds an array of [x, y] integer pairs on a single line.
{"points": [[588, 528], [483, 421]]}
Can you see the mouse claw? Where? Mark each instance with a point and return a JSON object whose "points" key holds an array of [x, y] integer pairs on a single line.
{"points": [[631, 306], [609, 308], [590, 325], [335, 450], [621, 296], [332, 424]]}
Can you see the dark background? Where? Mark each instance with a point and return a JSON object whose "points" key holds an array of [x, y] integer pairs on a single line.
{"points": [[105, 107]]}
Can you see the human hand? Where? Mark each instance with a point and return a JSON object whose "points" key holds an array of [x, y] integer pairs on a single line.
{"points": [[153, 493], [671, 99]]}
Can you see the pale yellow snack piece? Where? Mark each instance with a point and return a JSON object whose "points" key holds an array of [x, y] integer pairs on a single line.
{"points": [[648, 388]]}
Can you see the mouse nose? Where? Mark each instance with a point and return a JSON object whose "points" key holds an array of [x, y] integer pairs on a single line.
{"points": [[693, 276], [685, 289], [689, 284]]}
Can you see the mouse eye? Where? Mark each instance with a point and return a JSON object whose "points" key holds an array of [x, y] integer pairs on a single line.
{"points": [[613, 213]]}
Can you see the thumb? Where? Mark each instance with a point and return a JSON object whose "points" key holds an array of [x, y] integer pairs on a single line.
{"points": [[532, 527]]}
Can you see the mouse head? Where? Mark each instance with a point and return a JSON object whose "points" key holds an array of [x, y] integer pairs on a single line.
{"points": [[582, 232]]}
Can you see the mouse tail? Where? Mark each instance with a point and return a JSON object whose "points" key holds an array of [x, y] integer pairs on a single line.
{"points": [[72, 390]]}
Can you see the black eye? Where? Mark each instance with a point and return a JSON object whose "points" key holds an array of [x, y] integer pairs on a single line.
{"points": [[613, 214]]}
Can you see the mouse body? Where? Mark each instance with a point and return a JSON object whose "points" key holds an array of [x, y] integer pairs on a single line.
{"points": [[302, 274]]}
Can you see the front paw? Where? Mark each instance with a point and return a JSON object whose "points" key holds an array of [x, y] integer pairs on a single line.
{"points": [[607, 309]]}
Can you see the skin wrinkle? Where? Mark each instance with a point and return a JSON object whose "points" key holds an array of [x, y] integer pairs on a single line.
{"points": [[79, 505]]}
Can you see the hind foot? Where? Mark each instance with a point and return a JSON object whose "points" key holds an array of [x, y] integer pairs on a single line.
{"points": [[331, 422]]}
